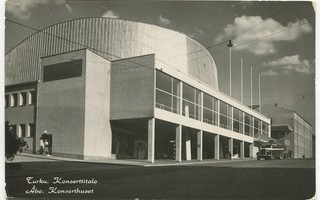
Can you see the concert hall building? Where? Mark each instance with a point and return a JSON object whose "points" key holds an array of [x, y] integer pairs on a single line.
{"points": [[116, 89]]}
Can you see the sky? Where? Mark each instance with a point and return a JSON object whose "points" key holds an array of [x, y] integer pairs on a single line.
{"points": [[276, 39]]}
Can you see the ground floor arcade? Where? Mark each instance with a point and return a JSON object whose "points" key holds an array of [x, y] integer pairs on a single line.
{"points": [[154, 139]]}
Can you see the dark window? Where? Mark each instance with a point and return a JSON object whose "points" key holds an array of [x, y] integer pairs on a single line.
{"points": [[23, 99], [62, 70], [14, 100], [31, 131], [22, 132], [7, 101], [32, 97], [164, 82]]}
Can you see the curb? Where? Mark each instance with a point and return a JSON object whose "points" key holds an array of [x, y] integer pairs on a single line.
{"points": [[132, 163]]}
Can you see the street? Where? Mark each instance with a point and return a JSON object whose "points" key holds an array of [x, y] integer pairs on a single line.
{"points": [[243, 179]]}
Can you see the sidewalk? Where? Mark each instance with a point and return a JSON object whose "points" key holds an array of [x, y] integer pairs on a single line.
{"points": [[24, 157]]}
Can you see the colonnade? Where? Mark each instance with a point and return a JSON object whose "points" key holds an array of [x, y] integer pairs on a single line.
{"points": [[179, 140]]}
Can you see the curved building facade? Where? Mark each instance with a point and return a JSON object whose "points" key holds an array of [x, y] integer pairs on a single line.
{"points": [[112, 39], [108, 88]]}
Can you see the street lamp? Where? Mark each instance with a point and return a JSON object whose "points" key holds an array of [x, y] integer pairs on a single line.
{"points": [[230, 45]]}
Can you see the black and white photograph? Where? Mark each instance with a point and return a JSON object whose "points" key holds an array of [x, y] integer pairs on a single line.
{"points": [[107, 99]]}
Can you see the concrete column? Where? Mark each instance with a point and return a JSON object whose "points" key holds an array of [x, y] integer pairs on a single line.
{"points": [[231, 118], [199, 145], [251, 150], [231, 147], [269, 130], [180, 95], [252, 128], [178, 103], [151, 140], [242, 149], [216, 147], [188, 146], [201, 106], [178, 143], [243, 123], [18, 99], [218, 111], [28, 98]]}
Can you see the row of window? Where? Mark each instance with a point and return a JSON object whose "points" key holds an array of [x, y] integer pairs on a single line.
{"points": [[23, 98], [24, 130], [214, 111]]}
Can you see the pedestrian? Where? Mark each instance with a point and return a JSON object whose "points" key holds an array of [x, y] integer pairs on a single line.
{"points": [[11, 142], [45, 137], [229, 154]]}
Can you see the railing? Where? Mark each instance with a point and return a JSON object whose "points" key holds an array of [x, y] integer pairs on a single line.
{"points": [[167, 108], [208, 121]]}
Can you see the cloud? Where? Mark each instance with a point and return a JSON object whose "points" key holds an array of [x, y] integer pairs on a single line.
{"points": [[262, 35], [291, 63], [110, 14], [21, 9], [270, 72], [199, 31], [69, 8], [164, 21], [196, 32]]}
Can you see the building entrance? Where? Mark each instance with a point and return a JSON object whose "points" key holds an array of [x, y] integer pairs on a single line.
{"points": [[165, 146], [129, 139]]}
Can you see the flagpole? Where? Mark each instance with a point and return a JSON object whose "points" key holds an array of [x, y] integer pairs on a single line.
{"points": [[241, 82], [251, 87], [259, 93]]}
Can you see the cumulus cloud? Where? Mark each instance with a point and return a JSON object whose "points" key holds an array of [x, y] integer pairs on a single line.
{"points": [[262, 35], [164, 21], [291, 63], [21, 9], [110, 14], [270, 72]]}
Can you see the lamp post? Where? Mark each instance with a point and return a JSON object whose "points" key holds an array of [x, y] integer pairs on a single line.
{"points": [[230, 45]]}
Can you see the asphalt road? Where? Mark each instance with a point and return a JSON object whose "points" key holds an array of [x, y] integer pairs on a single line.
{"points": [[275, 179]]}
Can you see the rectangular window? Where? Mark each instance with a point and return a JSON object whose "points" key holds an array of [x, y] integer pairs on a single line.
{"points": [[63, 70], [7, 101], [257, 127], [237, 120], [191, 102], [167, 93], [23, 99], [31, 130], [210, 115], [14, 100], [265, 128], [163, 82], [225, 115], [22, 130], [32, 98], [248, 124]]}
